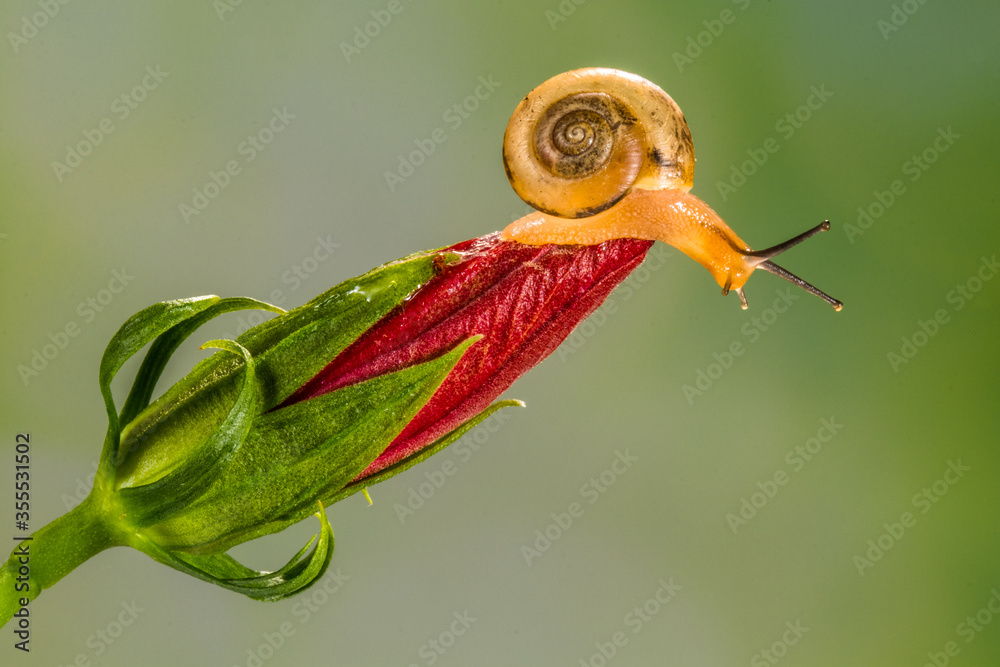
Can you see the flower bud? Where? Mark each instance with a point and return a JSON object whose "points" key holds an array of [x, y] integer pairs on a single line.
{"points": [[359, 384]]}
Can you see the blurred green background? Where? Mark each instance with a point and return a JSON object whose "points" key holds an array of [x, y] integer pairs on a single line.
{"points": [[903, 83]]}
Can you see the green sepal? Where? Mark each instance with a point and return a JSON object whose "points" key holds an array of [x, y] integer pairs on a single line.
{"points": [[302, 571], [221, 566], [293, 348], [432, 449], [288, 350], [298, 454], [137, 330], [166, 343], [169, 323], [162, 498]]}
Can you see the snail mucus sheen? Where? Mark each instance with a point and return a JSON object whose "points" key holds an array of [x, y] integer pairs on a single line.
{"points": [[603, 154]]}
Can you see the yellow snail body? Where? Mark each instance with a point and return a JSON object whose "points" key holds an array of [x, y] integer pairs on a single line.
{"points": [[604, 154]]}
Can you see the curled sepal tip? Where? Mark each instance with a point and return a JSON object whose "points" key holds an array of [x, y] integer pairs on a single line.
{"points": [[299, 573]]}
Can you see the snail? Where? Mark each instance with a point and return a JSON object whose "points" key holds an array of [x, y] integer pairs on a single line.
{"points": [[604, 154]]}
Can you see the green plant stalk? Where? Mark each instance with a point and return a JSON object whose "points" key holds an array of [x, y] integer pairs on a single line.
{"points": [[53, 552]]}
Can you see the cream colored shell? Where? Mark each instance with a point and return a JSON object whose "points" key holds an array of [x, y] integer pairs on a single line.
{"points": [[581, 141]]}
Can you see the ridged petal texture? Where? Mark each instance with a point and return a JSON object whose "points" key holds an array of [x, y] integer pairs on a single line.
{"points": [[524, 300]]}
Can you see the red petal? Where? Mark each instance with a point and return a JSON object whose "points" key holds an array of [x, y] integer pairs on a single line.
{"points": [[523, 299]]}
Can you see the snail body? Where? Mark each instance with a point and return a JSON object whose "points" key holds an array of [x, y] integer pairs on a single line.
{"points": [[604, 154]]}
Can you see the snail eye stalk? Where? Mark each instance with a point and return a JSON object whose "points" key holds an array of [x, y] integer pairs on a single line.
{"points": [[771, 267]]}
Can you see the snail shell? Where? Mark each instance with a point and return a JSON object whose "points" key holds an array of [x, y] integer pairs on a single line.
{"points": [[581, 141]]}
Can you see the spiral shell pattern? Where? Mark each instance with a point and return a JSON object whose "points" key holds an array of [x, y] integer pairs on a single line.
{"points": [[581, 141]]}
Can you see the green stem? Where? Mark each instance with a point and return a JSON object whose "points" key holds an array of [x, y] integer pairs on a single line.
{"points": [[52, 553]]}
